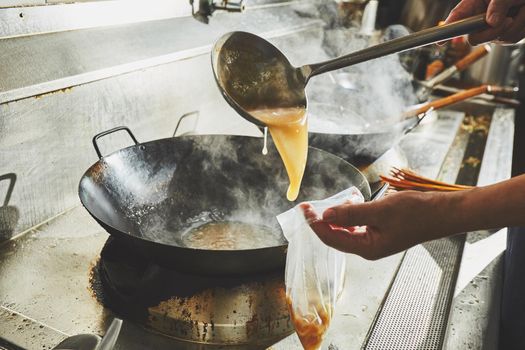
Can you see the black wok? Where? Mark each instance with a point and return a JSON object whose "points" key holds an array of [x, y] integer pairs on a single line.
{"points": [[362, 149], [152, 193]]}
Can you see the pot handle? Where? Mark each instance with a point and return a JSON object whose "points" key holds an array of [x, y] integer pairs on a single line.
{"points": [[110, 131], [184, 116], [12, 179]]}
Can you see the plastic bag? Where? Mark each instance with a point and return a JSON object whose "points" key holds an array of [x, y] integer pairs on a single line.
{"points": [[315, 273]]}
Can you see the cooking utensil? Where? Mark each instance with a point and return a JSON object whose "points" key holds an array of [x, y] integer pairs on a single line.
{"points": [[92, 341], [9, 214], [253, 74], [509, 91], [425, 87], [153, 194], [405, 179], [362, 149], [455, 98]]}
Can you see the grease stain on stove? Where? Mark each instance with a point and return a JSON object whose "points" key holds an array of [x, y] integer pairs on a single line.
{"points": [[224, 310]]}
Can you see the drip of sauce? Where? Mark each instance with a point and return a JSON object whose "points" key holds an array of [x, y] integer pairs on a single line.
{"points": [[289, 130], [311, 327], [265, 146]]}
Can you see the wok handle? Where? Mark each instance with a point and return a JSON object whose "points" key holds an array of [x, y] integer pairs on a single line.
{"points": [[380, 193], [12, 179], [449, 100], [110, 131], [472, 57], [184, 116]]}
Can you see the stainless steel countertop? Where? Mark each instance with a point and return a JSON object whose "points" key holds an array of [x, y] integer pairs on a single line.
{"points": [[44, 275]]}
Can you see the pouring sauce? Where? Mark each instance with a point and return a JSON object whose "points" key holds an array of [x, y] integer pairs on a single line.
{"points": [[311, 328], [289, 130]]}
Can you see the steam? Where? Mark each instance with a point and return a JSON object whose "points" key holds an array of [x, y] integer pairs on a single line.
{"points": [[367, 97], [222, 178]]}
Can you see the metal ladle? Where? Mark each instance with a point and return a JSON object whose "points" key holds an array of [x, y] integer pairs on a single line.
{"points": [[253, 74]]}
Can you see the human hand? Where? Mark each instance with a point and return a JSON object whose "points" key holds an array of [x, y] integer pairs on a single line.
{"points": [[387, 226], [502, 28]]}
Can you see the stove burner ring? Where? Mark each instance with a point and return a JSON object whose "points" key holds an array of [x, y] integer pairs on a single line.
{"points": [[210, 310]]}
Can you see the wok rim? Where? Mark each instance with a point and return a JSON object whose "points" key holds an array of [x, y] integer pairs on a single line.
{"points": [[366, 196], [406, 125]]}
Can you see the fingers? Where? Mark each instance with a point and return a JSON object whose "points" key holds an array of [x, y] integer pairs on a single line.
{"points": [[490, 34], [309, 213], [497, 12], [516, 30], [502, 28], [464, 9], [351, 214], [357, 242]]}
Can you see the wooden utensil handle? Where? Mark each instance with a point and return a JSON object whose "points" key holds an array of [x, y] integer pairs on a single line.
{"points": [[472, 57], [449, 100]]}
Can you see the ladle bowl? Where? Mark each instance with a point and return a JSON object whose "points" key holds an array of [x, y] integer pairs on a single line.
{"points": [[253, 74]]}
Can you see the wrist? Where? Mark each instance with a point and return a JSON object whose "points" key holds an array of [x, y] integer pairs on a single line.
{"points": [[450, 212]]}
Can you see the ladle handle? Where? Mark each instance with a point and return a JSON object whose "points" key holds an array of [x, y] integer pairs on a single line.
{"points": [[411, 41]]}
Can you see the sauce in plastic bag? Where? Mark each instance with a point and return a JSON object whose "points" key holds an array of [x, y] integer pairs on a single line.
{"points": [[311, 328]]}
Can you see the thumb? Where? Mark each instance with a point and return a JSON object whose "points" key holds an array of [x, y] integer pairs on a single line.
{"points": [[497, 12], [351, 214]]}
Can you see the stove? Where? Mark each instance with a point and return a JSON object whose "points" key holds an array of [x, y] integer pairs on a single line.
{"points": [[68, 276], [200, 309]]}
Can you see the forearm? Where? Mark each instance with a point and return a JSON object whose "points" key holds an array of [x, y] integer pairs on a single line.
{"points": [[494, 206]]}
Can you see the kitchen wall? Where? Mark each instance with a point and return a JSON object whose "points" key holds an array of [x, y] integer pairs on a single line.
{"points": [[60, 85]]}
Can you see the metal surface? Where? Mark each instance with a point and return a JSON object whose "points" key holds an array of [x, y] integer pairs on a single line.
{"points": [[418, 300], [235, 310], [72, 242], [25, 17], [206, 8], [154, 193], [29, 20], [34, 65], [20, 332], [36, 132], [474, 317], [79, 342], [118, 128], [430, 270], [7, 3], [111, 336], [365, 148], [253, 74], [426, 148], [499, 68]]}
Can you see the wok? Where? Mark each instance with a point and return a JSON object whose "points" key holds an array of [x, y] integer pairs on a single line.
{"points": [[154, 193], [362, 149]]}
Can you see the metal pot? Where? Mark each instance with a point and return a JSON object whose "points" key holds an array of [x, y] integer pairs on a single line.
{"points": [[155, 193]]}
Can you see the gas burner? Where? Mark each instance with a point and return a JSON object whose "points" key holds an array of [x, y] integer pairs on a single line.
{"points": [[201, 309]]}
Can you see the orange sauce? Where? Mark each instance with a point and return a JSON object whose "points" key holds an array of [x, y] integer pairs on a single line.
{"points": [[289, 130], [311, 328]]}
